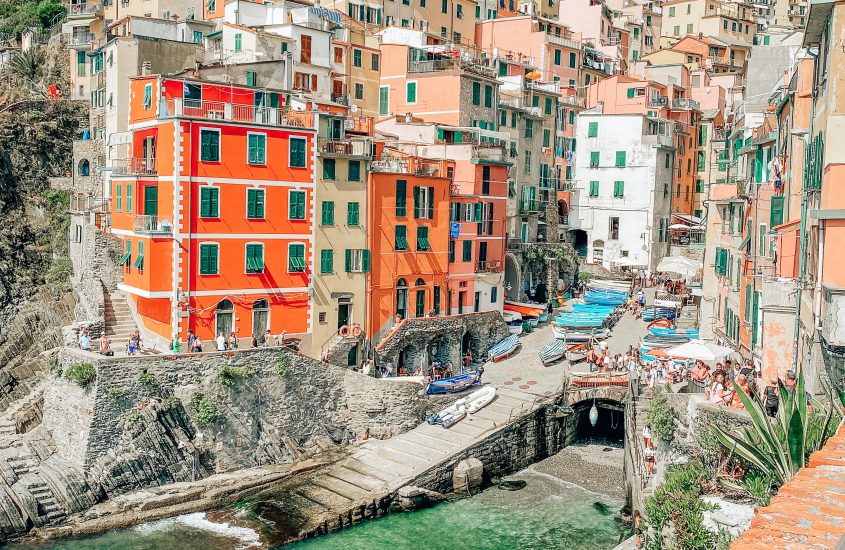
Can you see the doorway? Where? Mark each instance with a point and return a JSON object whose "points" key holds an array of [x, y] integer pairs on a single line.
{"points": [[260, 317], [402, 299], [344, 313], [151, 200], [224, 318], [477, 305], [462, 296]]}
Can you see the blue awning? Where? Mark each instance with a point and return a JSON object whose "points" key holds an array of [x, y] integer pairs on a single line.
{"points": [[330, 15]]}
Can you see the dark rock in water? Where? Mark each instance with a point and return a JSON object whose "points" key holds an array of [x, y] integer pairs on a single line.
{"points": [[512, 484], [602, 508], [607, 449]]}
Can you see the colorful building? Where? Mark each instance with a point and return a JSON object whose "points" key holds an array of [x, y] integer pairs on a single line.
{"points": [[216, 210]]}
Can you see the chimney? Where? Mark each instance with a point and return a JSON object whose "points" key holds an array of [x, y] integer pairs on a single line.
{"points": [[146, 68]]}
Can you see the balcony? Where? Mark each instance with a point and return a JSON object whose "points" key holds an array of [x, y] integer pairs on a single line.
{"points": [[550, 182], [80, 202], [561, 41], [83, 10], [484, 68], [233, 112], [683, 103], [779, 292], [531, 206], [342, 99], [489, 151], [152, 225], [659, 140], [390, 166], [488, 266], [344, 147], [362, 125], [134, 167], [80, 40], [659, 101]]}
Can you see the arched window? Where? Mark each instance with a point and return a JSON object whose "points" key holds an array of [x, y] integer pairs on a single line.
{"points": [[401, 298], [420, 282], [224, 318], [84, 167]]}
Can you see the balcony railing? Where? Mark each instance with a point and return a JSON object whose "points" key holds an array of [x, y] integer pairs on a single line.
{"points": [[145, 223], [550, 182], [84, 9], [561, 41], [683, 103], [531, 206], [77, 39], [390, 166], [134, 167], [87, 203], [346, 147], [660, 140], [488, 266], [446, 64], [219, 110], [342, 99], [488, 151], [358, 125]]}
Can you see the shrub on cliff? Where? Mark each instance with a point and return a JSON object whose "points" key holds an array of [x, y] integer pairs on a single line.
{"points": [[229, 376], [206, 411], [659, 418], [81, 373]]}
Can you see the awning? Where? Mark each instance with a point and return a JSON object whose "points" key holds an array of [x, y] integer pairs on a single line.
{"points": [[328, 15], [297, 263], [120, 138]]}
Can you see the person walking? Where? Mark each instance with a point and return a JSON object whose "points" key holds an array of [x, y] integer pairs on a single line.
{"points": [[770, 397], [175, 344], [221, 341]]}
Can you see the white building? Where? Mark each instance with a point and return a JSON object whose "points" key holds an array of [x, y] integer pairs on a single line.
{"points": [[621, 206]]}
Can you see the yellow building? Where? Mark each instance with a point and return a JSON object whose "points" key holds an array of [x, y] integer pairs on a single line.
{"points": [[356, 63], [724, 20]]}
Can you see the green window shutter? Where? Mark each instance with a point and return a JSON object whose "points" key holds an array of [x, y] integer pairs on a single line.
{"points": [[238, 42], [209, 202], [594, 159], [478, 212], [297, 153], [296, 208], [208, 259], [352, 213], [549, 106], [422, 239], [573, 60], [354, 170], [365, 261], [618, 189], [326, 261], [557, 57], [383, 100], [250, 78], [594, 189], [401, 198], [488, 96], [139, 261], [776, 214], [747, 302], [329, 169], [476, 93], [417, 202], [620, 159], [451, 251], [148, 96], [296, 258], [256, 149], [254, 258], [631, 92], [209, 146], [255, 203], [467, 257], [593, 129], [327, 213], [118, 197], [547, 137], [348, 260], [411, 92], [129, 197], [401, 238]]}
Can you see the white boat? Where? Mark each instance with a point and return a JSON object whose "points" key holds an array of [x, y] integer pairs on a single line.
{"points": [[451, 414], [514, 321], [413, 379], [477, 400], [570, 335]]}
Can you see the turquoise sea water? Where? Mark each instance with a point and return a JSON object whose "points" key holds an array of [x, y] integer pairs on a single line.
{"points": [[547, 514]]}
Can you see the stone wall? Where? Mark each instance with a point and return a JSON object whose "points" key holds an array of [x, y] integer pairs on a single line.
{"points": [[417, 336], [275, 406], [95, 272]]}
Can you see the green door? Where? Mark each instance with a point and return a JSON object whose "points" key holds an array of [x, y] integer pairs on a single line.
{"points": [[420, 309], [151, 200]]}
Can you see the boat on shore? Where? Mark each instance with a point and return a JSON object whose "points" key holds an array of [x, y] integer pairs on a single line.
{"points": [[454, 384], [503, 349], [686, 332], [480, 398], [552, 351], [451, 415], [574, 336], [514, 321]]}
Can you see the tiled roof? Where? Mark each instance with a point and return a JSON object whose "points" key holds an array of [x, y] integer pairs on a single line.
{"points": [[809, 510]]}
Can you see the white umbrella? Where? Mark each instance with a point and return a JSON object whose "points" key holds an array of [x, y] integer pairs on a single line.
{"points": [[680, 265], [699, 349], [679, 226]]}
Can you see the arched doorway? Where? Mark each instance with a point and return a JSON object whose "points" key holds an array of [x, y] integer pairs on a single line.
{"points": [[260, 317], [419, 298], [579, 241], [402, 298], [562, 212], [224, 318], [84, 168], [512, 277], [469, 349], [405, 361]]}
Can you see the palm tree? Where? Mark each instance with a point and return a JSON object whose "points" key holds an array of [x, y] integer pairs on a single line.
{"points": [[28, 66]]}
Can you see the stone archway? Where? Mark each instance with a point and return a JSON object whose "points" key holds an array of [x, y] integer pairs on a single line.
{"points": [[513, 277], [579, 240], [610, 424], [471, 342]]}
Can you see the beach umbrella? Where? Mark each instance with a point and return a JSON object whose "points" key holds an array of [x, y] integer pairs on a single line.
{"points": [[680, 265], [699, 349]]}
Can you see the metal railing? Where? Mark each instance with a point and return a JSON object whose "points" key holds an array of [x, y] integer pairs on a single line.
{"points": [[219, 110], [526, 205], [83, 9], [488, 266], [88, 203], [145, 223], [390, 166], [342, 99], [445, 64], [562, 41], [550, 182], [358, 125], [488, 151], [348, 147], [134, 167], [80, 39]]}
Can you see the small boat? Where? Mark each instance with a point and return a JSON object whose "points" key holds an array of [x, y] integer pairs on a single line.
{"points": [[479, 399], [514, 321], [687, 332], [569, 335], [413, 379], [577, 352], [503, 349], [543, 317], [455, 383], [450, 415], [552, 351], [650, 314], [609, 284], [533, 321]]}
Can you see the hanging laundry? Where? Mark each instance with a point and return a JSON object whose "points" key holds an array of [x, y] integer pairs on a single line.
{"points": [[454, 230]]}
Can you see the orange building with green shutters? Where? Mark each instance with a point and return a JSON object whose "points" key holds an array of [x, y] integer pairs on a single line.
{"points": [[216, 209]]}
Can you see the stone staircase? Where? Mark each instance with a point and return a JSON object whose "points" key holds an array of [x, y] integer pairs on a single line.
{"points": [[641, 405], [120, 324]]}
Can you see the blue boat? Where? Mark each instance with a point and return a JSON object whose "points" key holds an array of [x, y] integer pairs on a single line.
{"points": [[661, 331], [604, 299], [454, 384], [579, 323], [504, 348], [662, 313], [592, 288]]}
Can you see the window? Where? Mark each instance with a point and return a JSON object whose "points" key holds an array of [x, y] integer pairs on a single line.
{"points": [[401, 238], [689, 27], [383, 100], [689, 9], [557, 57], [494, 294], [451, 251], [636, 33], [411, 92], [209, 202], [296, 258], [467, 255], [374, 61], [549, 104], [357, 58], [129, 197], [444, 6], [359, 90], [594, 189], [776, 214], [613, 229], [593, 129], [423, 202], [209, 259], [594, 159], [476, 93], [460, 11], [256, 149], [529, 128], [672, 11], [352, 213], [354, 170], [488, 96], [255, 204], [676, 30], [326, 261], [297, 152], [338, 55], [327, 213], [422, 239], [547, 137], [573, 60], [255, 258], [251, 78], [485, 180], [148, 96], [210, 145], [401, 198], [118, 201], [238, 38], [296, 205], [357, 260], [618, 189], [305, 49], [620, 159], [329, 166]]}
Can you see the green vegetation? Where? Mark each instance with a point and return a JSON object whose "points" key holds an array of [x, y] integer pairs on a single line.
{"points": [[134, 417], [115, 395], [779, 447], [81, 373], [206, 411], [18, 15], [171, 403], [229, 376], [659, 418], [677, 504], [759, 486], [147, 379], [283, 364], [58, 276]]}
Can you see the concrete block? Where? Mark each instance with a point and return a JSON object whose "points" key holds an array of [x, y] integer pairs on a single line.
{"points": [[467, 476]]}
